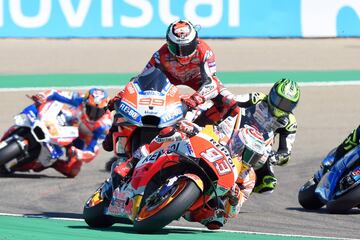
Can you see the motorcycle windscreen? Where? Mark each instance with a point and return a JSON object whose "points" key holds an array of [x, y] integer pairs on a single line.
{"points": [[152, 80]]}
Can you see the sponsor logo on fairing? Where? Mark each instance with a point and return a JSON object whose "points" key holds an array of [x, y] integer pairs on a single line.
{"points": [[356, 172], [153, 157], [128, 111], [175, 114]]}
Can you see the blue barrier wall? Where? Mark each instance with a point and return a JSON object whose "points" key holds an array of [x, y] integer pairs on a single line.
{"points": [[149, 18]]}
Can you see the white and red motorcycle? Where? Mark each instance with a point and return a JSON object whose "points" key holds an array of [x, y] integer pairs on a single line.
{"points": [[40, 135]]}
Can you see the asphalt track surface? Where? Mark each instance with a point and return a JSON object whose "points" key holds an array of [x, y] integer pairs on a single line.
{"points": [[325, 116]]}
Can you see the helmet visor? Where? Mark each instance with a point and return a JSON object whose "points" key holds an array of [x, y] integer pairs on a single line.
{"points": [[250, 157], [237, 147], [182, 50], [281, 103], [277, 112], [93, 112]]}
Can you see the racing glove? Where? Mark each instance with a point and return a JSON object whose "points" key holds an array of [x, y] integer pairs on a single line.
{"points": [[168, 134], [189, 128], [194, 100], [233, 195], [118, 97], [279, 159], [38, 98]]}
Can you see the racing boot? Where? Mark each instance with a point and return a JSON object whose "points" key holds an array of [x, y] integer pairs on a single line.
{"points": [[212, 216], [69, 168], [265, 179], [267, 185]]}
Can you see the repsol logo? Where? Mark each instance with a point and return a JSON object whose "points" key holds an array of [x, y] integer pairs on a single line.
{"points": [[224, 150], [169, 149]]}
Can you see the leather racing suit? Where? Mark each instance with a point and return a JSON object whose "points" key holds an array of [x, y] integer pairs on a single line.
{"points": [[91, 133], [209, 216], [285, 127], [199, 74]]}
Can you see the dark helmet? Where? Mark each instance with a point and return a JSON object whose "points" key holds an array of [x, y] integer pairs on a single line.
{"points": [[283, 97], [182, 40], [96, 101]]}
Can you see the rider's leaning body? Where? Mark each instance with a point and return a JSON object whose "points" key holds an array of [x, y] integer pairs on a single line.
{"points": [[264, 114]]}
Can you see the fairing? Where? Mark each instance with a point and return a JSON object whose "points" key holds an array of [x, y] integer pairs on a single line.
{"points": [[151, 102], [327, 186]]}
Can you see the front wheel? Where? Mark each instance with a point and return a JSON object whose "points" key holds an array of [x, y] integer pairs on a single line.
{"points": [[94, 212], [307, 197], [8, 151], [157, 212]]}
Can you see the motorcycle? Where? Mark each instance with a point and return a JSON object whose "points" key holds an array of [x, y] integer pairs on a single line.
{"points": [[336, 185], [181, 177], [38, 137], [149, 103]]}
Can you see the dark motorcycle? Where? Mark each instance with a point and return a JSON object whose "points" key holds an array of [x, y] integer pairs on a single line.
{"points": [[336, 185]]}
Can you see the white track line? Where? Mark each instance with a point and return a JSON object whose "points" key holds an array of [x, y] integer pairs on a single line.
{"points": [[303, 84], [181, 227]]}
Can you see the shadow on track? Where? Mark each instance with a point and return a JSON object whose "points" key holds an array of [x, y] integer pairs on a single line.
{"points": [[130, 230], [55, 215], [28, 175], [353, 211]]}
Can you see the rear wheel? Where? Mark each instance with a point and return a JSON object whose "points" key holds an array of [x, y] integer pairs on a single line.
{"points": [[307, 197], [159, 209], [345, 202]]}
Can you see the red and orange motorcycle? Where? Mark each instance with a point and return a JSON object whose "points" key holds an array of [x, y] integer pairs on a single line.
{"points": [[178, 178]]}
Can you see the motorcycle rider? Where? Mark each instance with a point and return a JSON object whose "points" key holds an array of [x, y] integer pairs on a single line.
{"points": [[186, 60], [348, 144], [274, 112], [93, 120], [210, 216]]}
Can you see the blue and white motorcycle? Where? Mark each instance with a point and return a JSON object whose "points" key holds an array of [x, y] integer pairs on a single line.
{"points": [[39, 137], [335, 184]]}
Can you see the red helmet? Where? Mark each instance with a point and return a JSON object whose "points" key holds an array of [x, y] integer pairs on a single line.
{"points": [[182, 40], [96, 101]]}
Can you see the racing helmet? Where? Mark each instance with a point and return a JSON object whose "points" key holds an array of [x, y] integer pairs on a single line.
{"points": [[96, 100], [182, 40], [283, 97], [248, 143]]}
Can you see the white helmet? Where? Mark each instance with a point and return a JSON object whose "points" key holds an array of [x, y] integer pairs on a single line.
{"points": [[182, 39]]}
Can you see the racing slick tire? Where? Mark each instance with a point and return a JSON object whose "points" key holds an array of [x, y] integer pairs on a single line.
{"points": [[95, 216], [153, 216], [9, 151], [345, 202], [307, 197]]}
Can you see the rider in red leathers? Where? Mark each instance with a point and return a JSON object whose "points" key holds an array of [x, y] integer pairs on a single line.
{"points": [[186, 60], [94, 121], [210, 216]]}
